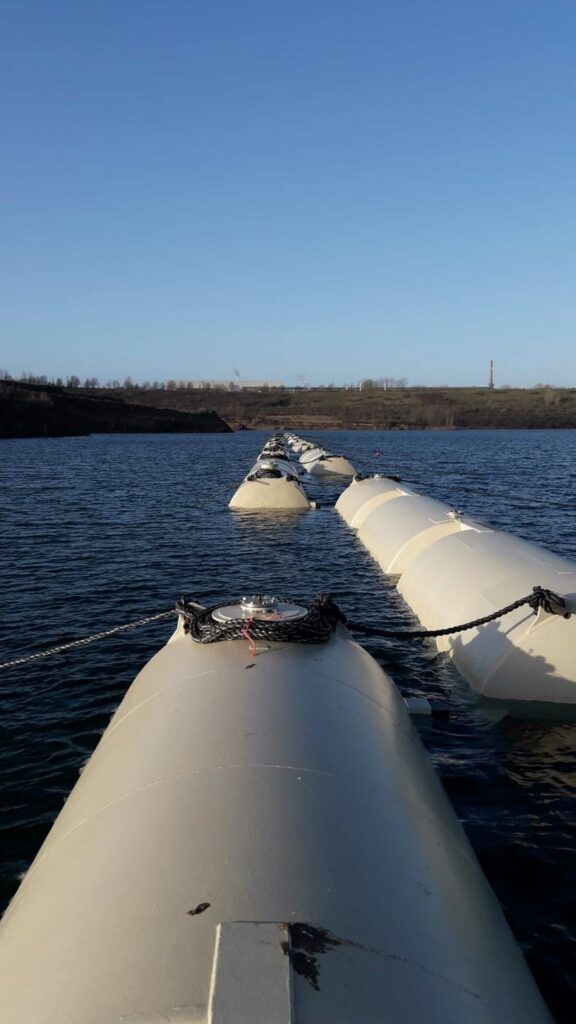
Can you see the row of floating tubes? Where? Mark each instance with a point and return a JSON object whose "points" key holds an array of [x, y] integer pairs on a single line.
{"points": [[275, 480], [449, 569], [271, 846]]}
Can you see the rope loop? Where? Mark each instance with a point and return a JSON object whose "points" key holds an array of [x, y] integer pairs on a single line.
{"points": [[315, 627]]}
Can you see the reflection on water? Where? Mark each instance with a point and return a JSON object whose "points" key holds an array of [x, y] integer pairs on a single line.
{"points": [[98, 531]]}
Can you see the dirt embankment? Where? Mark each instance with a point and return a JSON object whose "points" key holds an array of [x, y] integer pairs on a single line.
{"points": [[397, 409], [31, 410]]}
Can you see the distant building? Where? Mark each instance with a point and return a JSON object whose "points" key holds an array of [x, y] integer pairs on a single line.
{"points": [[226, 385]]}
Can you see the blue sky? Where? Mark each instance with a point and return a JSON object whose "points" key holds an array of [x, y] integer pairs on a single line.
{"points": [[331, 189]]}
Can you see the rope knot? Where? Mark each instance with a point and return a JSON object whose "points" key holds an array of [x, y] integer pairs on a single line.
{"points": [[550, 602], [326, 605]]}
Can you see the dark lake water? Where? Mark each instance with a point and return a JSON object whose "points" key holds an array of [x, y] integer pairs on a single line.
{"points": [[98, 531]]}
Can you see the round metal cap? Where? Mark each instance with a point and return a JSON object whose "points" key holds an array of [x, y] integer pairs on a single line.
{"points": [[260, 606]]}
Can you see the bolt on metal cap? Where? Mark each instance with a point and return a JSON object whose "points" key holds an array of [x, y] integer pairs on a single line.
{"points": [[262, 607]]}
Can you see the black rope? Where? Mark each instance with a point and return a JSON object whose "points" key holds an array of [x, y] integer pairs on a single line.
{"points": [[271, 473], [315, 627], [267, 473], [374, 476], [539, 598], [324, 615]]}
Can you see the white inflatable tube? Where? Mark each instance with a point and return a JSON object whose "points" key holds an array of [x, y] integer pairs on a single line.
{"points": [[330, 465], [310, 454], [321, 462], [395, 532], [272, 484], [363, 495], [260, 839], [454, 570], [279, 493], [275, 450], [474, 572], [284, 464]]}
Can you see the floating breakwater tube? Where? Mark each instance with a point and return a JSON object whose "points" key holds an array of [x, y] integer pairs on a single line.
{"points": [[394, 523], [328, 464], [395, 532], [275, 449], [260, 838], [310, 454], [283, 460], [473, 572], [299, 445], [271, 484], [364, 494], [454, 570], [320, 462]]}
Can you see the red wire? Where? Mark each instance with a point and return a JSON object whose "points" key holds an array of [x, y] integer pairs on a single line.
{"points": [[247, 636]]}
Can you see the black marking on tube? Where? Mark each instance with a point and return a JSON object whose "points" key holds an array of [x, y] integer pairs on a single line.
{"points": [[306, 944], [199, 909]]}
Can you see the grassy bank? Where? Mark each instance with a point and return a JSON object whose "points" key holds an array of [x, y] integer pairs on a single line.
{"points": [[398, 409]]}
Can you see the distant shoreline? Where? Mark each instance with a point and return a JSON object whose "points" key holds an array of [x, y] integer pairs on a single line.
{"points": [[37, 410], [32, 410], [376, 409]]}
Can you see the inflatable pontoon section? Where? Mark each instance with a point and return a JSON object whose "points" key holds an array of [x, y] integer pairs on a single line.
{"points": [[454, 570], [259, 837], [272, 484], [321, 462], [318, 461]]}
